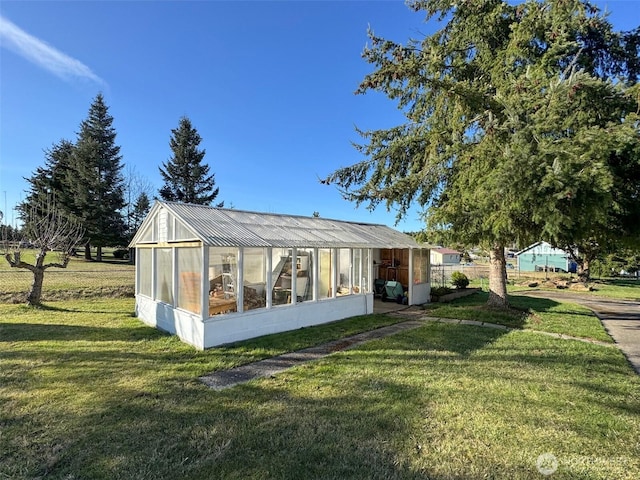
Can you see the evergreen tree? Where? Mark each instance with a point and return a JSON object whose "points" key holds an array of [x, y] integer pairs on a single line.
{"points": [[96, 180], [49, 182], [516, 115], [587, 237], [140, 210], [186, 178]]}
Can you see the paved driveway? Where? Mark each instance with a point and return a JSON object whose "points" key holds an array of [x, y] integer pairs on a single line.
{"points": [[621, 318]]}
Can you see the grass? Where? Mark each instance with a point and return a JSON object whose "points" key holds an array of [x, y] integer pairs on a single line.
{"points": [[529, 313], [81, 279], [617, 288], [87, 391], [561, 317]]}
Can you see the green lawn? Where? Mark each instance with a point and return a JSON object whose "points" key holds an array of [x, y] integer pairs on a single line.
{"points": [[81, 279], [88, 392], [617, 288], [530, 313]]}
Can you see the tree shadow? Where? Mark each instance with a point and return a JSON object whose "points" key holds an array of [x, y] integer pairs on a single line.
{"points": [[37, 332], [526, 304], [49, 307], [620, 282], [302, 423], [475, 308], [462, 340], [363, 431], [112, 261]]}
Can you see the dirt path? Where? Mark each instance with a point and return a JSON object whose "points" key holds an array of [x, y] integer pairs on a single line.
{"points": [[621, 319]]}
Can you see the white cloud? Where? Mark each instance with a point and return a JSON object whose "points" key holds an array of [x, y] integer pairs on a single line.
{"points": [[43, 55]]}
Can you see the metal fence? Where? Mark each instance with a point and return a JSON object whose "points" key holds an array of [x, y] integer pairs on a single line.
{"points": [[441, 274], [60, 284]]}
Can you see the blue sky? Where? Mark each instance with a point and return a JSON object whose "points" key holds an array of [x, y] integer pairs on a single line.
{"points": [[268, 85]]}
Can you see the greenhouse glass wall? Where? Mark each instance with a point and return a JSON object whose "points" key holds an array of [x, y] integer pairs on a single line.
{"points": [[214, 276]]}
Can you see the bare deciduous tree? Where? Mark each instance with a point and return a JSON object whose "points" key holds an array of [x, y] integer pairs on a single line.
{"points": [[136, 186], [48, 229]]}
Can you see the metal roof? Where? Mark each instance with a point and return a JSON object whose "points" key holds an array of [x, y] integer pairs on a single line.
{"points": [[445, 251], [228, 227]]}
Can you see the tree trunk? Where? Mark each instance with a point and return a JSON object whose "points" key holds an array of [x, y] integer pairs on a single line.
{"points": [[99, 254], [35, 294], [87, 251], [497, 278], [584, 272]]}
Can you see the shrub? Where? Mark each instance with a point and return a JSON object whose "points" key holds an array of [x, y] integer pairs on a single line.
{"points": [[440, 291], [459, 280], [121, 253]]}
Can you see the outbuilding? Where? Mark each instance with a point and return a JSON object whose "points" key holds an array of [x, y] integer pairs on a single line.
{"points": [[214, 276], [543, 257], [445, 256]]}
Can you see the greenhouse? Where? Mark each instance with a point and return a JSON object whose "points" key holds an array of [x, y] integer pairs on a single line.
{"points": [[214, 276]]}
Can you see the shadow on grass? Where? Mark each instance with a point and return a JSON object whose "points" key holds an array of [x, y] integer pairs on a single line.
{"points": [[106, 260], [113, 261], [475, 308], [51, 308], [531, 305], [36, 332], [364, 427], [345, 436], [526, 304], [461, 340], [363, 413], [619, 282]]}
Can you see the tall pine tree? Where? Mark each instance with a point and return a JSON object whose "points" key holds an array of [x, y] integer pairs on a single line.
{"points": [[518, 118], [186, 178], [96, 180], [49, 182]]}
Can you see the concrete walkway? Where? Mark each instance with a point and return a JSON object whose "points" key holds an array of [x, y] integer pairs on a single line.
{"points": [[621, 318], [270, 366]]}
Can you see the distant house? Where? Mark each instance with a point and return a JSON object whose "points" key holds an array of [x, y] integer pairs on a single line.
{"points": [[445, 256], [541, 256]]}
